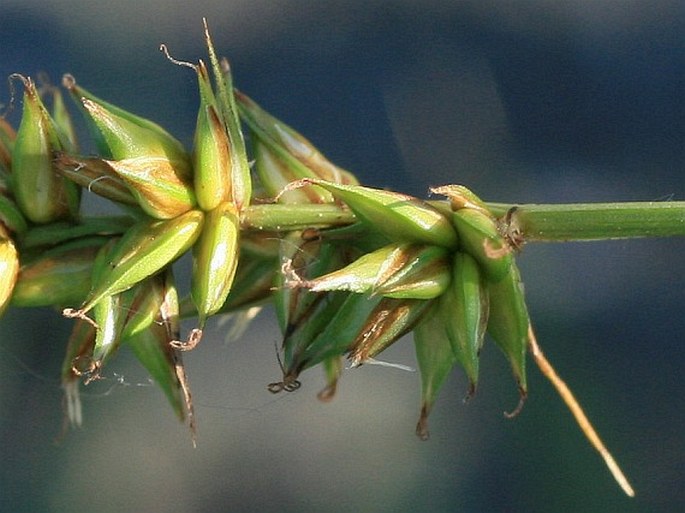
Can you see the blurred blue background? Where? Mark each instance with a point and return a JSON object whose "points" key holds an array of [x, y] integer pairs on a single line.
{"points": [[531, 101]]}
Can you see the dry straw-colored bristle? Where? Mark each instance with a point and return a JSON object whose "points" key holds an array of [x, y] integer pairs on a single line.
{"points": [[582, 420]]}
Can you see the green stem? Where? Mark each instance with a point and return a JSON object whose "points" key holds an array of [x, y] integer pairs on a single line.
{"points": [[595, 221], [551, 223], [282, 217]]}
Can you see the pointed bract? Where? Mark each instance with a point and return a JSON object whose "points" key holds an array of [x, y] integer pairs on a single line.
{"points": [[400, 217], [275, 175], [387, 323], [63, 121], [333, 368], [59, 276], [54, 234], [109, 315], [283, 155], [11, 218], [479, 237], [409, 271], [211, 160], [339, 334], [146, 334], [464, 311], [161, 192], [215, 258], [96, 175], [508, 323], [435, 358], [122, 135], [42, 195], [241, 182], [145, 249], [461, 197]]}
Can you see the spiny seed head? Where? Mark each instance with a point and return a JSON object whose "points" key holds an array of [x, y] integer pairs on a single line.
{"points": [[445, 273]]}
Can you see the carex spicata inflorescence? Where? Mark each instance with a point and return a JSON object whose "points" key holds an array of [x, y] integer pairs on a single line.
{"points": [[394, 264]]}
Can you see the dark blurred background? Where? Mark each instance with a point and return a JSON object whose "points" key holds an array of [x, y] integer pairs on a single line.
{"points": [[531, 101]]}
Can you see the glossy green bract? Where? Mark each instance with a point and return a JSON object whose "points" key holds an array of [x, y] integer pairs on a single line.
{"points": [[144, 250], [215, 260], [400, 217], [42, 195], [509, 322]]}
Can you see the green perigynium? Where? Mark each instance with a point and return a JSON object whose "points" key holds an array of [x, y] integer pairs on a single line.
{"points": [[410, 271], [380, 265], [42, 194], [215, 260], [45, 273]]}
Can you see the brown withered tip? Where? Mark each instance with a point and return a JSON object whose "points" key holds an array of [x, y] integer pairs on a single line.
{"points": [[422, 425], [469, 393], [225, 66], [83, 365], [68, 81], [327, 394], [510, 228], [519, 406], [73, 313], [289, 384], [189, 344], [275, 387], [24, 79], [165, 50]]}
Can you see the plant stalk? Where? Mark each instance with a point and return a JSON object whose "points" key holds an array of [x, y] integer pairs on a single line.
{"points": [[595, 221], [531, 222]]}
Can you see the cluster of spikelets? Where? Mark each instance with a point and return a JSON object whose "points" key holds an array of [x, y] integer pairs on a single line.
{"points": [[443, 270]]}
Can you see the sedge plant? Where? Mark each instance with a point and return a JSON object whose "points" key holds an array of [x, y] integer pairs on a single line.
{"points": [[349, 269]]}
